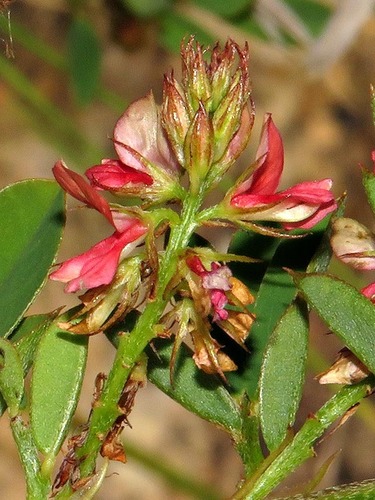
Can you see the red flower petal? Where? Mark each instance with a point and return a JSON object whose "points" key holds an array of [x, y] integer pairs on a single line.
{"points": [[76, 186], [98, 265], [269, 162], [113, 174]]}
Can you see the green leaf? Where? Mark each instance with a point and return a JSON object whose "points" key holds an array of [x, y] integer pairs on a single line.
{"points": [[84, 58], [276, 292], [31, 223], [147, 8], [256, 246], [349, 314], [368, 180], [283, 374], [200, 393], [11, 376], [55, 387], [253, 27], [225, 8], [175, 27], [25, 339], [314, 14], [27, 336]]}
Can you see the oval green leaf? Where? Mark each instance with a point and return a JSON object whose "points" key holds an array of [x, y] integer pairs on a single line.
{"points": [[283, 374], [348, 314], [84, 57], [25, 339], [11, 376], [55, 386], [202, 394], [31, 224]]}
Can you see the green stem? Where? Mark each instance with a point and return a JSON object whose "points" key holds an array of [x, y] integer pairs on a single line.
{"points": [[352, 491], [38, 486], [132, 345], [258, 487]]}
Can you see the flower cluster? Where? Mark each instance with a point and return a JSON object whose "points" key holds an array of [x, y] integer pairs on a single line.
{"points": [[202, 126]]}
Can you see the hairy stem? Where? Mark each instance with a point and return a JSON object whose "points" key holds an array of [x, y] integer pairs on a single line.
{"points": [[132, 345], [37, 484], [301, 447]]}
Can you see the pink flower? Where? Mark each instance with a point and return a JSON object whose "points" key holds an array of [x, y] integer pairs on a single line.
{"points": [[215, 282], [139, 138], [98, 265], [255, 196], [147, 166]]}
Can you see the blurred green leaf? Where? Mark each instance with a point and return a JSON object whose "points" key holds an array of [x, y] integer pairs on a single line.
{"points": [[314, 14], [11, 376], [283, 374], [147, 8], [32, 219], [225, 8], [174, 27], [368, 180], [251, 26], [84, 59], [200, 393], [348, 314], [56, 382]]}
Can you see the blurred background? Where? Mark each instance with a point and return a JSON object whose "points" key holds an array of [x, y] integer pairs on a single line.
{"points": [[69, 68]]}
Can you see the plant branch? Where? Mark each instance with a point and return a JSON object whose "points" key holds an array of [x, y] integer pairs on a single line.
{"points": [[133, 344], [301, 447]]}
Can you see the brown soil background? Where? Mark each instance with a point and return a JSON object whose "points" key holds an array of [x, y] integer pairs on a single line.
{"points": [[326, 123]]}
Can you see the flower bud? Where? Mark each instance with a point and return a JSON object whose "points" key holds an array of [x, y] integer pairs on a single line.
{"points": [[195, 74], [227, 119], [198, 147], [175, 117]]}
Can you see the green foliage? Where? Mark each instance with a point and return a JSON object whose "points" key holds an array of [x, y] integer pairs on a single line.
{"points": [[313, 13], [225, 8], [147, 8], [11, 376], [276, 292], [283, 374], [349, 314], [368, 180], [58, 371], [174, 27], [84, 58], [200, 393], [31, 229]]}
